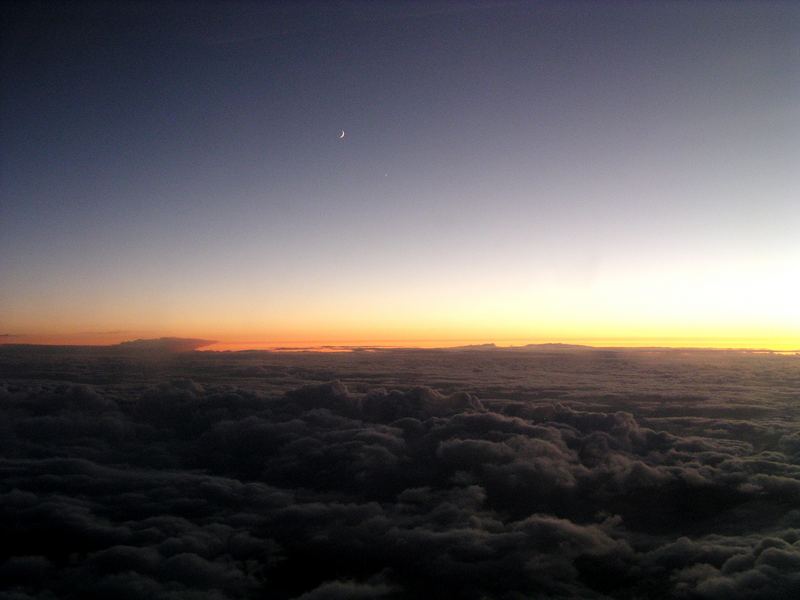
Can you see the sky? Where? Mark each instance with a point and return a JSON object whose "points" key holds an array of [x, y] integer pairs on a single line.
{"points": [[511, 172]]}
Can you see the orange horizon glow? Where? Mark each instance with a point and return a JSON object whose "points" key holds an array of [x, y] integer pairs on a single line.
{"points": [[746, 304], [222, 343]]}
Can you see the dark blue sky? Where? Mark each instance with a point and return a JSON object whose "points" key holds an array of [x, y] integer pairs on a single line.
{"points": [[176, 167]]}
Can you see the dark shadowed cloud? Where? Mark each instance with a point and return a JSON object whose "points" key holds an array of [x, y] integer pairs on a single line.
{"points": [[589, 474]]}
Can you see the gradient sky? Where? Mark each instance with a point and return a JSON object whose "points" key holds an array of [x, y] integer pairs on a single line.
{"points": [[512, 171]]}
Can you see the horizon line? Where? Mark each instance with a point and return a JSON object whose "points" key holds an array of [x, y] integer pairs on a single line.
{"points": [[216, 346]]}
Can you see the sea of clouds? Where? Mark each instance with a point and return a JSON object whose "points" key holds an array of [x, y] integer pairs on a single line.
{"points": [[399, 474]]}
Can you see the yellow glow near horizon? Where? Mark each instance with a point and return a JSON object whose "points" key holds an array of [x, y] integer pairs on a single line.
{"points": [[738, 305], [790, 345]]}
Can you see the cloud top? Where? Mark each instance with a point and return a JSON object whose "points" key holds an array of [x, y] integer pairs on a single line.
{"points": [[246, 476]]}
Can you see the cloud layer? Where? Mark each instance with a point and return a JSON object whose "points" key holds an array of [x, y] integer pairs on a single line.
{"points": [[400, 475]]}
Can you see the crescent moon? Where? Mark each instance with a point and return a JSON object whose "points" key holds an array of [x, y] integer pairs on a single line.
{"points": [[341, 135]]}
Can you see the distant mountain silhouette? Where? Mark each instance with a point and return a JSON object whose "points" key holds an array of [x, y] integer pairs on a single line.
{"points": [[548, 347], [555, 346]]}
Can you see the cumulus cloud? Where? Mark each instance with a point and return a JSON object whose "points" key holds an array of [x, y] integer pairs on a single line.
{"points": [[469, 474]]}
